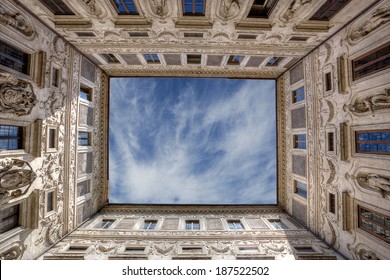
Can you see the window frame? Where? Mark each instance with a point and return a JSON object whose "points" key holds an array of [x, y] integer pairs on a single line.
{"points": [[283, 225], [232, 225], [149, 224], [50, 149], [295, 96], [191, 223], [54, 202], [30, 60], [58, 15], [20, 137], [298, 187], [297, 141], [16, 224], [194, 6], [151, 58], [128, 10], [371, 232], [357, 142]]}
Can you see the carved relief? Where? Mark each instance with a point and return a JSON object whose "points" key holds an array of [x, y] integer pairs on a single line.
{"points": [[16, 177], [163, 248], [229, 8], [294, 7], [375, 182], [372, 103], [379, 18], [92, 8], [16, 96], [16, 21], [367, 255], [159, 7], [14, 251]]}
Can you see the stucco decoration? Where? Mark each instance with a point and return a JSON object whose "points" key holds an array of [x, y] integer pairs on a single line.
{"points": [[17, 97], [16, 21], [13, 252], [375, 182], [229, 8], [16, 177], [372, 103], [293, 9], [92, 8], [367, 255], [379, 18], [159, 7]]}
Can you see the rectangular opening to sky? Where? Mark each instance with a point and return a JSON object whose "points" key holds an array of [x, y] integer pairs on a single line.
{"points": [[192, 141]]}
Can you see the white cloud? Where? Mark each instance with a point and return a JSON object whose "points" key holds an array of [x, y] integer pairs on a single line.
{"points": [[212, 149]]}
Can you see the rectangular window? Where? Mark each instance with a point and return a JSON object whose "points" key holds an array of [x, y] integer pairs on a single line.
{"points": [[329, 9], [109, 58], [193, 7], [105, 224], [332, 203], [277, 224], [248, 250], [330, 141], [125, 7], [194, 58], [247, 36], [52, 138], [55, 75], [9, 218], [138, 34], [135, 250], [49, 201], [151, 58], [14, 58], [261, 8], [328, 81], [85, 93], [192, 250], [235, 59], [193, 35], [11, 137], [304, 249], [300, 141], [57, 7], [300, 189], [150, 224], [77, 248], [85, 34], [373, 141], [374, 223], [192, 225], [371, 62], [235, 225], [275, 61], [84, 139], [298, 95]]}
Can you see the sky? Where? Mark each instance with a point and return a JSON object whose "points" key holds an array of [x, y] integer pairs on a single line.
{"points": [[192, 141]]}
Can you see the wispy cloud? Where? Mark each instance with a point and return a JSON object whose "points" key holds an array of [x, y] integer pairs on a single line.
{"points": [[192, 141]]}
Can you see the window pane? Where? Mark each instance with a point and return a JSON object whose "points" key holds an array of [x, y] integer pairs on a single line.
{"points": [[13, 58], [9, 218], [11, 137]]}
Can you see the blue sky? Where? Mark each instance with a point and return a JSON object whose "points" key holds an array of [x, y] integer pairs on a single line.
{"points": [[192, 141]]}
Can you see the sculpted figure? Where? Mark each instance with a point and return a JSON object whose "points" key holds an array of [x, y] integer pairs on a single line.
{"points": [[376, 181], [158, 6], [294, 7], [230, 7], [17, 97], [17, 21], [379, 17], [370, 104]]}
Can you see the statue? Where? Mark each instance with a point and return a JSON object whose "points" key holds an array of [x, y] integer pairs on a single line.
{"points": [[370, 104], [379, 17], [376, 181], [16, 96], [158, 6], [230, 7], [294, 7]]}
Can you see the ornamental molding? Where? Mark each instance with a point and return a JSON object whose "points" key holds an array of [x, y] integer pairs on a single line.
{"points": [[17, 97]]}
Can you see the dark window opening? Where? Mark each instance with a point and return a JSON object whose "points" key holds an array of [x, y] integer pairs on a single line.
{"points": [[329, 9], [247, 36], [109, 58], [374, 223], [11, 137], [330, 141], [85, 34], [14, 58], [138, 34], [261, 8], [57, 7], [332, 203], [235, 59], [373, 142], [194, 58], [300, 141], [55, 75], [193, 35], [371, 62], [85, 93], [9, 218], [50, 201], [52, 138], [328, 81]]}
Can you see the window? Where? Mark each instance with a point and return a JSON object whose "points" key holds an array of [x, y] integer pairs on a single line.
{"points": [[328, 81], [235, 225], [135, 250], [52, 143], [150, 224], [193, 7], [192, 225], [248, 250], [194, 58], [304, 249], [261, 8], [125, 7], [77, 248], [300, 141], [298, 95], [84, 139], [247, 36], [374, 223], [371, 62], [373, 141], [193, 35], [275, 61], [151, 58], [329, 9], [277, 224], [83, 188], [55, 76], [105, 224], [85, 34], [332, 203], [235, 59], [14, 58], [300, 189], [138, 34], [50, 201], [85, 93], [109, 58], [9, 218], [330, 141], [192, 250], [57, 7], [11, 137]]}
